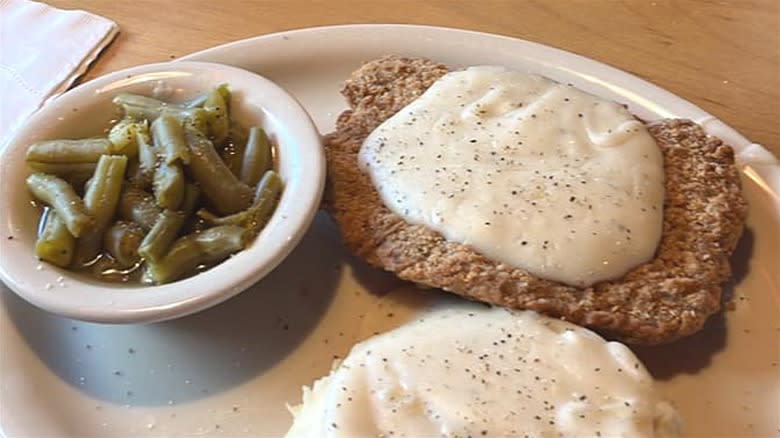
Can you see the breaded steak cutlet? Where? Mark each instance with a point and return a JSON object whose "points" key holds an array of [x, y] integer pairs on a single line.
{"points": [[659, 301]]}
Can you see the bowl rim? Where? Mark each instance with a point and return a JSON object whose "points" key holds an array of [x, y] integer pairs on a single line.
{"points": [[123, 304]]}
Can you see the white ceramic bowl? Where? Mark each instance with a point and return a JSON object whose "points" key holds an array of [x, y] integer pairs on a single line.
{"points": [[86, 111]]}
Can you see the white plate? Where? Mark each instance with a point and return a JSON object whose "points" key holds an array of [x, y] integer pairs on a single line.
{"points": [[229, 371]]}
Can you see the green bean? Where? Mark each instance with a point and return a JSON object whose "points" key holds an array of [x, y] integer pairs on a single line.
{"points": [[169, 185], [212, 219], [121, 240], [138, 206], [257, 215], [134, 173], [270, 186], [55, 243], [193, 250], [147, 158], [257, 156], [122, 99], [61, 196], [196, 118], [218, 183], [124, 136], [143, 183], [233, 152], [196, 102], [101, 200], [199, 100], [103, 193], [63, 169], [188, 205], [190, 199], [217, 109], [69, 151], [157, 241], [141, 107], [169, 139], [267, 195]]}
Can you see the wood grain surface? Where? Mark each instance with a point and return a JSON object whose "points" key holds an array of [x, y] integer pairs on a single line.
{"points": [[724, 56]]}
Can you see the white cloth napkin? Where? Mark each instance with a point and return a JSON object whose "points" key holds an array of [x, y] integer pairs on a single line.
{"points": [[42, 51]]}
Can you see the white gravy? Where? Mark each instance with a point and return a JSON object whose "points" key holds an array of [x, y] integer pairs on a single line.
{"points": [[529, 172]]}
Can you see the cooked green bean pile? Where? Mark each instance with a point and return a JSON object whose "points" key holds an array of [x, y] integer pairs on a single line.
{"points": [[173, 189]]}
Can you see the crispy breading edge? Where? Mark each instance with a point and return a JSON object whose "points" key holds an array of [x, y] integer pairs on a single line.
{"points": [[669, 297]]}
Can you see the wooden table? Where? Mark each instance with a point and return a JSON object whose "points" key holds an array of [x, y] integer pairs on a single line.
{"points": [[724, 56]]}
